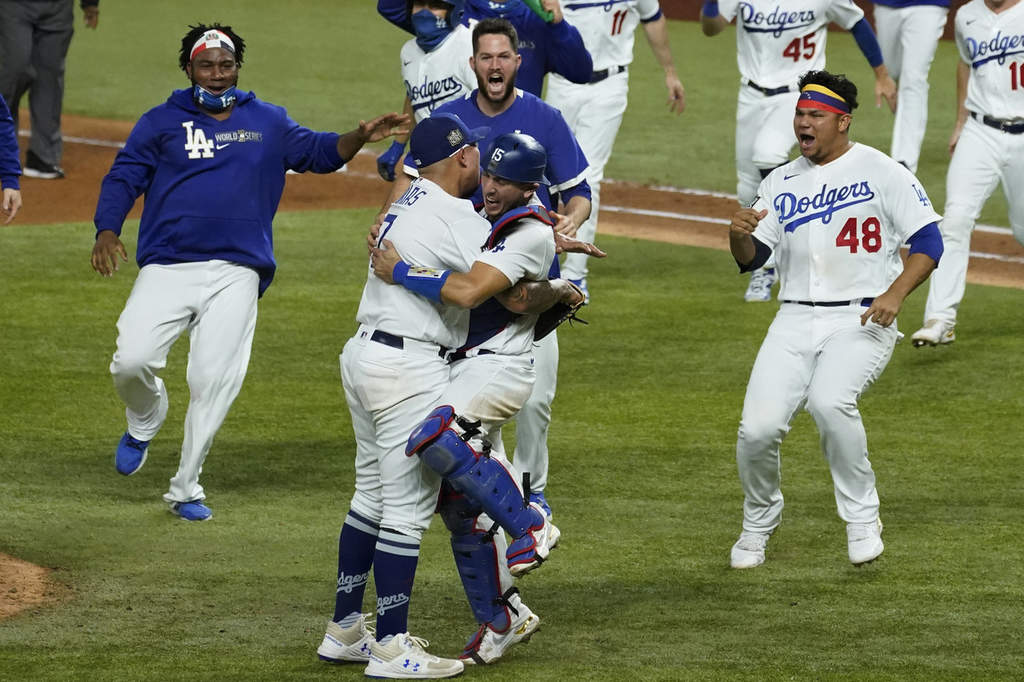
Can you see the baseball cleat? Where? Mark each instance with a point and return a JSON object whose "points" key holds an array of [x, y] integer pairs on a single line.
{"points": [[531, 550], [760, 287], [130, 455], [538, 498], [864, 542], [405, 658], [347, 645], [487, 645], [37, 168], [748, 551], [193, 510], [934, 333]]}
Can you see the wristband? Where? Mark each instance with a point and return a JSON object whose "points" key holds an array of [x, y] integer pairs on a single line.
{"points": [[426, 282], [710, 9]]}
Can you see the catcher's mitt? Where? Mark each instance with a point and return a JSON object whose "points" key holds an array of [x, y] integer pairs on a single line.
{"points": [[550, 319]]}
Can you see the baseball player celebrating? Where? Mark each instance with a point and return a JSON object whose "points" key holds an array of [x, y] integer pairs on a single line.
{"points": [[776, 42], [987, 146], [435, 67], [10, 167], [491, 377], [594, 110], [835, 218], [908, 33], [394, 371], [204, 256]]}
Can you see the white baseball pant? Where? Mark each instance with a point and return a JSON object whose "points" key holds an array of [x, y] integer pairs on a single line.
{"points": [[908, 37], [389, 391], [594, 113], [216, 302], [531, 453], [822, 359], [764, 136], [983, 158]]}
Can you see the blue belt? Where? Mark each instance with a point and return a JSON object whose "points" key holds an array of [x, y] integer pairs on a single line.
{"points": [[398, 342], [769, 91], [835, 304], [1012, 127], [599, 76], [462, 354]]}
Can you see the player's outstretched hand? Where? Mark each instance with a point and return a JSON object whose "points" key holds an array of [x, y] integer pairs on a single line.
{"points": [[384, 260], [385, 126], [564, 244], [885, 87], [11, 203], [883, 310], [745, 220], [676, 93], [106, 251]]}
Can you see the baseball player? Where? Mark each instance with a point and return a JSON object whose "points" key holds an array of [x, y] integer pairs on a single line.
{"points": [[546, 45], [492, 375], [10, 167], [775, 44], [499, 105], [835, 217], [987, 146], [594, 110], [211, 162], [908, 33], [435, 67], [394, 371]]}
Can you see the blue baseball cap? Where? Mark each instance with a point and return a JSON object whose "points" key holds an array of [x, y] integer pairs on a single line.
{"points": [[439, 136]]}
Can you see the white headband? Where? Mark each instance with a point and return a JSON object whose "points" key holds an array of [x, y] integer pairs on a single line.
{"points": [[210, 39]]}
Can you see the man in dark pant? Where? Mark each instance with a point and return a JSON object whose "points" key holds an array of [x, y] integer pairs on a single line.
{"points": [[34, 40]]}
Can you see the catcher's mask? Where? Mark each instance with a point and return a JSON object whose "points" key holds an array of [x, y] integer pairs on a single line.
{"points": [[517, 157]]}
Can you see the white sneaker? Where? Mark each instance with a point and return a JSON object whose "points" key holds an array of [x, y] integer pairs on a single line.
{"points": [[760, 287], [405, 658], [487, 646], [748, 551], [933, 333], [864, 541], [350, 644]]}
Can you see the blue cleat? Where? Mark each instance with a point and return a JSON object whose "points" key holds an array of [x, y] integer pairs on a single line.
{"points": [[131, 454], [538, 498], [194, 510]]}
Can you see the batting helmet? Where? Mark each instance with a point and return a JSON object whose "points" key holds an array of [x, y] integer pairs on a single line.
{"points": [[517, 157]]}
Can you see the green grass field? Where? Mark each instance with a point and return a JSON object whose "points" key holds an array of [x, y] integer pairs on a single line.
{"points": [[643, 475]]}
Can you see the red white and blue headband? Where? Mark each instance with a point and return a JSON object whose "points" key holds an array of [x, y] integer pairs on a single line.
{"points": [[210, 39], [814, 96]]}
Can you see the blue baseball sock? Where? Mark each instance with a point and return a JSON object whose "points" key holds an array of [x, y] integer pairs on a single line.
{"points": [[355, 555], [394, 569]]}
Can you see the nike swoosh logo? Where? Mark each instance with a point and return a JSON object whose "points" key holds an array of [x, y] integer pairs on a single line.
{"points": [[221, 146], [406, 63], [784, 177], [968, 22]]}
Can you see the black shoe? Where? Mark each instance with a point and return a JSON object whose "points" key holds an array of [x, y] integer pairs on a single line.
{"points": [[37, 168]]}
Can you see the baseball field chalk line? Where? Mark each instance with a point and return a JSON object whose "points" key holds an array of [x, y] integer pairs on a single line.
{"points": [[612, 209]]}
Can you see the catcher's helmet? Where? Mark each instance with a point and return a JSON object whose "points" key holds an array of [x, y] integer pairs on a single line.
{"points": [[517, 157]]}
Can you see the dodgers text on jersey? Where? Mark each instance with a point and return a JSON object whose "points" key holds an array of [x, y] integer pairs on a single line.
{"points": [[793, 211], [775, 22], [998, 48]]}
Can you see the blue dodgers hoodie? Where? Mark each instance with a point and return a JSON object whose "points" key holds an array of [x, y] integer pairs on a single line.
{"points": [[211, 187], [10, 167]]}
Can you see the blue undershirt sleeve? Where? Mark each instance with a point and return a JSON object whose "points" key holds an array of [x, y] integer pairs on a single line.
{"points": [[761, 253], [867, 42], [927, 240]]}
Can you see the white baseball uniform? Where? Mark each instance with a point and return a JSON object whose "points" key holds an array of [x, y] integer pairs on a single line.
{"points": [[432, 78], [993, 45], [836, 230], [393, 369], [908, 33], [594, 110], [776, 43]]}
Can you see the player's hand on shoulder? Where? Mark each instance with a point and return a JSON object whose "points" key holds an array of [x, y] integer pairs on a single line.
{"points": [[105, 253], [384, 260], [745, 220]]}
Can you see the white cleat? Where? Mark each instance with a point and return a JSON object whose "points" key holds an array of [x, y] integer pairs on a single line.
{"points": [[530, 551], [760, 287], [864, 542], [405, 658], [347, 645], [748, 551], [487, 646], [934, 333]]}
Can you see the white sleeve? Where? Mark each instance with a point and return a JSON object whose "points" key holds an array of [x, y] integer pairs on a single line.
{"points": [[525, 252], [958, 38], [727, 8], [907, 203], [647, 8], [462, 244], [844, 13], [769, 230]]}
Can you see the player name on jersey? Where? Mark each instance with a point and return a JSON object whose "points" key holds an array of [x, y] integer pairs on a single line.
{"points": [[825, 203]]}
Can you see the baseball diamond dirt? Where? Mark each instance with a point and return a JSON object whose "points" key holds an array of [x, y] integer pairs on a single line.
{"points": [[673, 215]]}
